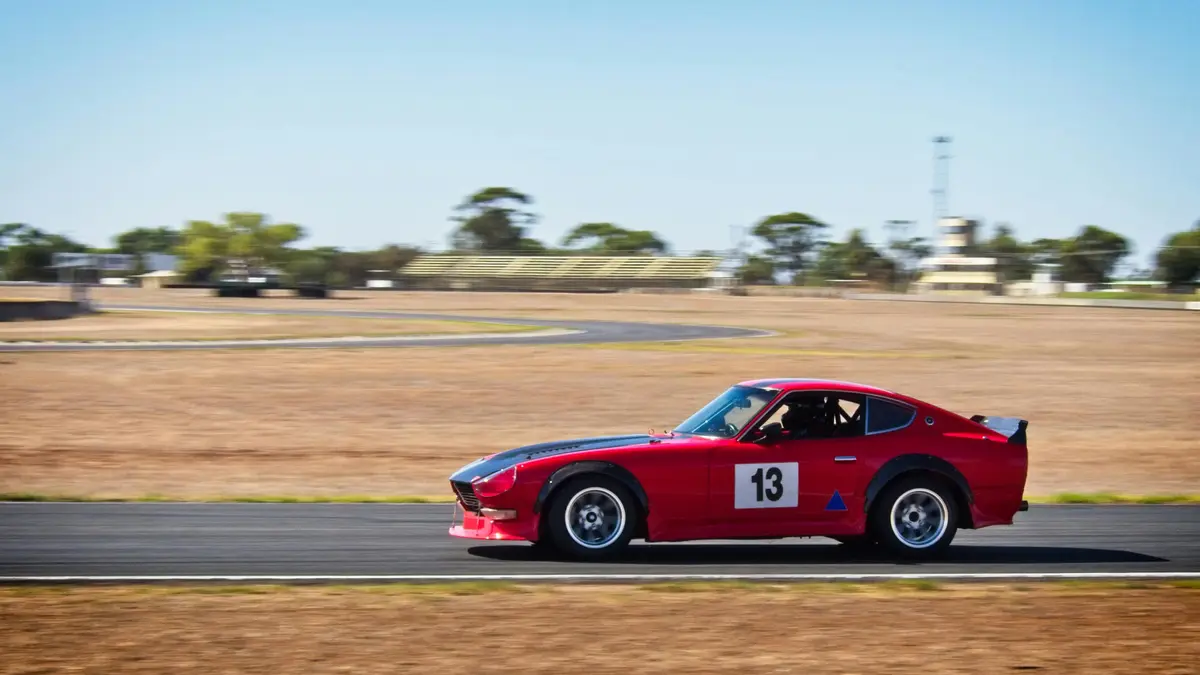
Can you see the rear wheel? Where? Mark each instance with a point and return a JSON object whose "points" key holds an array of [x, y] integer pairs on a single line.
{"points": [[591, 518], [915, 517]]}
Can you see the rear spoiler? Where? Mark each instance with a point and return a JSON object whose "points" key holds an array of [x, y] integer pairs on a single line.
{"points": [[1012, 427]]}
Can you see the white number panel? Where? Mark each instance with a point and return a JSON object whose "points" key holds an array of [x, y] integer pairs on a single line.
{"points": [[766, 486]]}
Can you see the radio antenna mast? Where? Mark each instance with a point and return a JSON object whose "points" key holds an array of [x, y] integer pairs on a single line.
{"points": [[941, 179]]}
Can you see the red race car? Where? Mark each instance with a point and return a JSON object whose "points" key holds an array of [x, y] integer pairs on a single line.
{"points": [[766, 459]]}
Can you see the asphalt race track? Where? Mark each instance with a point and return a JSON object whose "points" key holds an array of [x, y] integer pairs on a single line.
{"points": [[330, 541], [556, 332]]}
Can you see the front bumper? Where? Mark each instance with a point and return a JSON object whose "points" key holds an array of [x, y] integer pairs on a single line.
{"points": [[470, 525]]}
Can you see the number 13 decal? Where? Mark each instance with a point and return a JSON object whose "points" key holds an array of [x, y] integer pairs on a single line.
{"points": [[775, 491], [765, 486]]}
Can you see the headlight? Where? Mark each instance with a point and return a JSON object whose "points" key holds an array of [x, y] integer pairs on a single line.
{"points": [[497, 483]]}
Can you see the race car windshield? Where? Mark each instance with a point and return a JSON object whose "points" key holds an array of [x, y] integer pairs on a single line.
{"points": [[727, 414]]}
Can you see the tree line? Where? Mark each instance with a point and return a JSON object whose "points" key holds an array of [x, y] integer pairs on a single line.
{"points": [[790, 247]]}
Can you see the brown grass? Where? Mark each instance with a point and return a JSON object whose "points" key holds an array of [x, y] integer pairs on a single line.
{"points": [[989, 629], [1111, 394], [125, 325]]}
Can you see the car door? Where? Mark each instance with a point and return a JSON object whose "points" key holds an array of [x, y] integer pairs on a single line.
{"points": [[753, 489], [788, 485]]}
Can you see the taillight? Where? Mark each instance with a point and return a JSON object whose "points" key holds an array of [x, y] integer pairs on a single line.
{"points": [[497, 483]]}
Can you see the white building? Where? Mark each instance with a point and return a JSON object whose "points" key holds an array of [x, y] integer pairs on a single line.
{"points": [[1045, 282], [953, 269]]}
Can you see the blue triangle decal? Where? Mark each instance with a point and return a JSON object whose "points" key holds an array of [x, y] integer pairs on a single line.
{"points": [[835, 503]]}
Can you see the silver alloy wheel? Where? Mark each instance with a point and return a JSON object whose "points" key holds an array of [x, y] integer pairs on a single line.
{"points": [[919, 518], [595, 517]]}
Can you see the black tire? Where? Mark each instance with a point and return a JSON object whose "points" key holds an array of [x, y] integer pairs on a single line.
{"points": [[577, 492], [926, 493]]}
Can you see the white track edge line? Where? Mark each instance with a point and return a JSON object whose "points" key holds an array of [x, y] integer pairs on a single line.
{"points": [[964, 576]]}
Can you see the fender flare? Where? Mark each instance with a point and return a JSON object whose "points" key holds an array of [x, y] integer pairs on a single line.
{"points": [[915, 462], [614, 471]]}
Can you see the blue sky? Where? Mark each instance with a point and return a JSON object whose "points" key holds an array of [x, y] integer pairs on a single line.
{"points": [[366, 121]]}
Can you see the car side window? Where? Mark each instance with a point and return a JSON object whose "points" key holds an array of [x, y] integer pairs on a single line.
{"points": [[887, 415], [816, 415]]}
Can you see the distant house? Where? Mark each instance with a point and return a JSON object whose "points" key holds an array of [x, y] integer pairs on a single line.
{"points": [[158, 278], [1045, 282]]}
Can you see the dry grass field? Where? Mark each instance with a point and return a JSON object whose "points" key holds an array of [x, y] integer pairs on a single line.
{"points": [[133, 325], [1112, 394], [1051, 628]]}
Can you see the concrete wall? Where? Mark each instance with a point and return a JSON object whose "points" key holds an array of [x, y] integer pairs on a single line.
{"points": [[41, 310]]}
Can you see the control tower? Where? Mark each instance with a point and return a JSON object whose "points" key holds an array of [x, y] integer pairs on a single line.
{"points": [[955, 268]]}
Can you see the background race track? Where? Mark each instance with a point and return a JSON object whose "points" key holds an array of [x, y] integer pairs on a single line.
{"points": [[557, 332]]}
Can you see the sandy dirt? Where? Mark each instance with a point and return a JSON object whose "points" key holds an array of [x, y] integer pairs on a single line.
{"points": [[125, 325], [1111, 394], [602, 630]]}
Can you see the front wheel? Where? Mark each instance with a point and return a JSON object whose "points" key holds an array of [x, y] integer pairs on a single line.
{"points": [[591, 518], [915, 517]]}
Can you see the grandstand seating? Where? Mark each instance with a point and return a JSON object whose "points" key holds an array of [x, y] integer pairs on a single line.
{"points": [[568, 272]]}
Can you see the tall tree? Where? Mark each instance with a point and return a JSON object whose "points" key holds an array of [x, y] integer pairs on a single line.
{"points": [[610, 239], [792, 240], [906, 251], [28, 252], [205, 246], [1012, 257], [1178, 261], [1045, 251], [1093, 255], [143, 240], [9, 232], [854, 259], [254, 238], [757, 270], [314, 266], [393, 257], [493, 220], [335, 267], [8, 235]]}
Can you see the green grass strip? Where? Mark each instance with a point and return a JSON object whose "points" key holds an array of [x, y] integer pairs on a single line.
{"points": [[1115, 498]]}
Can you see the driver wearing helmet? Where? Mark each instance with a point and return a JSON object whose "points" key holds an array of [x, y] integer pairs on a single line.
{"points": [[801, 419]]}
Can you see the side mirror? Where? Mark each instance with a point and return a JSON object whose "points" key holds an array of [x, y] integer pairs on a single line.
{"points": [[768, 434]]}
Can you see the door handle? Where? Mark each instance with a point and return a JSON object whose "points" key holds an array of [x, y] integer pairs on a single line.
{"points": [[845, 458]]}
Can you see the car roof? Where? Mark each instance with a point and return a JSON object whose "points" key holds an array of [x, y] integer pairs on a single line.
{"points": [[808, 383]]}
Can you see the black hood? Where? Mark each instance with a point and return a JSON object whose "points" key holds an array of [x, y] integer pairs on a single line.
{"points": [[508, 458]]}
